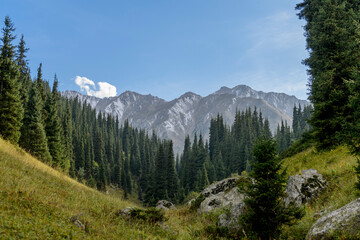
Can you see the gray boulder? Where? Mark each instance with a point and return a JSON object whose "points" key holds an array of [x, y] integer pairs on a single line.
{"points": [[220, 195], [345, 220], [304, 188], [164, 204], [230, 219], [220, 186]]}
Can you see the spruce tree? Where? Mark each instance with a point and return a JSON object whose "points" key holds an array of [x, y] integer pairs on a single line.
{"points": [[332, 32], [33, 137], [24, 71], [266, 212], [160, 183], [53, 130], [68, 137], [172, 178], [11, 108]]}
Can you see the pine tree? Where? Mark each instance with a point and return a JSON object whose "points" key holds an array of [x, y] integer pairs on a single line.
{"points": [[332, 32], [68, 137], [24, 71], [160, 183], [33, 137], [266, 212], [53, 130], [172, 178], [39, 83], [11, 108]]}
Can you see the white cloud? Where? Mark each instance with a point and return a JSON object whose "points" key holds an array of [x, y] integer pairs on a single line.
{"points": [[105, 89]]}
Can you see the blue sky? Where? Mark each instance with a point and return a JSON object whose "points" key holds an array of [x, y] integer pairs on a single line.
{"points": [[163, 47]]}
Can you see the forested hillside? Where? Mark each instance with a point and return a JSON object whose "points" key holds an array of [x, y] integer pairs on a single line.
{"points": [[98, 150]]}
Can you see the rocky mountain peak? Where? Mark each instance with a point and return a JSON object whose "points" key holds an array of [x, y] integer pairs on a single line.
{"points": [[190, 113]]}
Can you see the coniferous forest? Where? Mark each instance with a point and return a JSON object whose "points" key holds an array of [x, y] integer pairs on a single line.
{"points": [[98, 150]]}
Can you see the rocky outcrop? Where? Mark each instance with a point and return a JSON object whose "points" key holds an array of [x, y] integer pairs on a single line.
{"points": [[164, 204], [220, 195], [344, 221], [225, 194], [304, 188]]}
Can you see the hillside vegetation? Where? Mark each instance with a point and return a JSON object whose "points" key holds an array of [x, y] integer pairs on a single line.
{"points": [[337, 166], [37, 202]]}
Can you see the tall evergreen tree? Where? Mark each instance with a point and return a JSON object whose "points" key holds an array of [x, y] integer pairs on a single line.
{"points": [[68, 137], [266, 211], [11, 108], [53, 130], [160, 183], [24, 71], [332, 34], [172, 178], [33, 137]]}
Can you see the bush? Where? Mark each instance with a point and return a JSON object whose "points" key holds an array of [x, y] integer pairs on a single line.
{"points": [[150, 215], [196, 204]]}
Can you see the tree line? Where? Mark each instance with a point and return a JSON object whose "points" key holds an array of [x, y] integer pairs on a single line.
{"points": [[73, 137], [97, 149], [332, 34], [286, 136]]}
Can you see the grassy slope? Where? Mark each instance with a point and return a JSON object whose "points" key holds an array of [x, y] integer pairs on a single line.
{"points": [[337, 166], [37, 201]]}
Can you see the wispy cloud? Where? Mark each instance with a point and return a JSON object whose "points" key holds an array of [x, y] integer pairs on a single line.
{"points": [[272, 60], [277, 31], [105, 89]]}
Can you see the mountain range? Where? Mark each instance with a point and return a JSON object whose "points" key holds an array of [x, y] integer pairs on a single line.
{"points": [[190, 113]]}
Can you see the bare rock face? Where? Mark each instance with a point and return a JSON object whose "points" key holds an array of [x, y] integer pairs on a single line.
{"points": [[220, 195], [304, 188], [164, 204], [344, 221]]}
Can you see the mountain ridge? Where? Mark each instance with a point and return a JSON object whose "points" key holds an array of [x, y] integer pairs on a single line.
{"points": [[191, 113]]}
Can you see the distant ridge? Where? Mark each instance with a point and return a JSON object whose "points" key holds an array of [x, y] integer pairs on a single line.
{"points": [[190, 113]]}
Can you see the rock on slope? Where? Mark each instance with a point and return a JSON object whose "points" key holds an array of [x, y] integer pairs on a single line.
{"points": [[191, 113], [345, 220]]}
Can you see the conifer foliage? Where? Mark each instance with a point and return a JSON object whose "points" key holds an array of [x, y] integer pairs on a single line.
{"points": [[332, 32], [228, 150], [266, 212], [33, 137], [11, 108]]}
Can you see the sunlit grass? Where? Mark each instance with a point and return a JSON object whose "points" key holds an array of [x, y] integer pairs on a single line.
{"points": [[37, 201], [337, 166]]}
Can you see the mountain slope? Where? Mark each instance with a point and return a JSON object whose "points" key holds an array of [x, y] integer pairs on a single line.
{"points": [[337, 166], [191, 113], [38, 202]]}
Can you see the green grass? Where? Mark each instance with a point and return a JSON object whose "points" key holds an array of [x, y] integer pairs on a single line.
{"points": [[37, 202], [337, 166]]}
